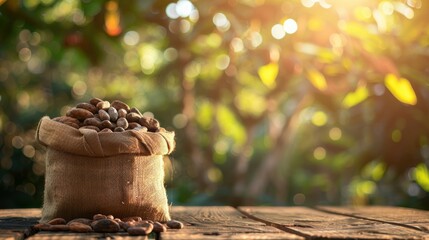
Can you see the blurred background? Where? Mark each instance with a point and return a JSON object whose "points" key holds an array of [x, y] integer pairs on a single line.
{"points": [[273, 102]]}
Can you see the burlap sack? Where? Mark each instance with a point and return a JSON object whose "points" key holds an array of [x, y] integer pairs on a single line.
{"points": [[88, 172]]}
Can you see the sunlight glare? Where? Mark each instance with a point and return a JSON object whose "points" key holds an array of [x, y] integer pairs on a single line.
{"points": [[290, 26], [170, 10], [222, 23], [184, 8], [278, 32]]}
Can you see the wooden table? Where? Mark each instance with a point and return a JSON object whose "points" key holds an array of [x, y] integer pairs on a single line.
{"points": [[223, 222]]}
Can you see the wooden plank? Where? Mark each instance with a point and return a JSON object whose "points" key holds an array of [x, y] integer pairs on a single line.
{"points": [[16, 223], [413, 218], [217, 222], [45, 235], [312, 223]]}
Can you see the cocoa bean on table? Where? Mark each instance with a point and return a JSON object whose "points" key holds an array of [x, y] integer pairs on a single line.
{"points": [[144, 229], [57, 221], [105, 225], [174, 224], [79, 227], [85, 221], [159, 227]]}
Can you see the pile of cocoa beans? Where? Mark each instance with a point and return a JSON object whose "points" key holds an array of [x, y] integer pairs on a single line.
{"points": [[134, 226], [105, 116]]}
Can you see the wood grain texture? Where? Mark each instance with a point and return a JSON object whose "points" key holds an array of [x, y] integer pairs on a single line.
{"points": [[220, 223], [413, 218], [16, 223], [312, 223]]}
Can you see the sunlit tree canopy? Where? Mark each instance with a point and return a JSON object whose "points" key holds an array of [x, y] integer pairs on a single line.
{"points": [[295, 102]]}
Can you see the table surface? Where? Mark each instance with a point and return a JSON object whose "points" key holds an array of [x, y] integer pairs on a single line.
{"points": [[253, 222]]}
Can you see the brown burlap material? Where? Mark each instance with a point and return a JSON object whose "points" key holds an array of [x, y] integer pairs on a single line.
{"points": [[89, 172]]}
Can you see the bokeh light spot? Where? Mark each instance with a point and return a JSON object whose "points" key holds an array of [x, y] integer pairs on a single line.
{"points": [[170, 54], [170, 10], [290, 26], [319, 153], [184, 8], [180, 120], [396, 135], [221, 22], [214, 174], [299, 199], [79, 88], [237, 44], [25, 54], [319, 118], [17, 142], [222, 61], [131, 38], [335, 134], [29, 151], [278, 32]]}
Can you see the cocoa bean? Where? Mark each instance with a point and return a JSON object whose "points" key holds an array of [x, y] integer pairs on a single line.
{"points": [[119, 104], [103, 115], [125, 225], [151, 123], [80, 227], [42, 226], [105, 225], [116, 116], [159, 227], [135, 110], [92, 121], [110, 217], [133, 117], [85, 221], [99, 216], [61, 227], [174, 224], [141, 230], [57, 221], [119, 129], [107, 124], [79, 113], [87, 106], [133, 218], [106, 130], [113, 113], [122, 113], [133, 125], [95, 101], [91, 128], [122, 122], [103, 105]]}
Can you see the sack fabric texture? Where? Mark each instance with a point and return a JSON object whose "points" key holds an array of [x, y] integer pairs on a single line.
{"points": [[89, 172]]}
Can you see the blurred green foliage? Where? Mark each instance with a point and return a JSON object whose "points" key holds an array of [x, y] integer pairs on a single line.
{"points": [[276, 102]]}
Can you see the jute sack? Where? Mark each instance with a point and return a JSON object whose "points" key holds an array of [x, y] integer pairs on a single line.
{"points": [[89, 172]]}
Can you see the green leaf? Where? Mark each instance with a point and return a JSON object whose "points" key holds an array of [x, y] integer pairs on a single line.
{"points": [[401, 89], [356, 97], [268, 74], [317, 79], [421, 175], [230, 126]]}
